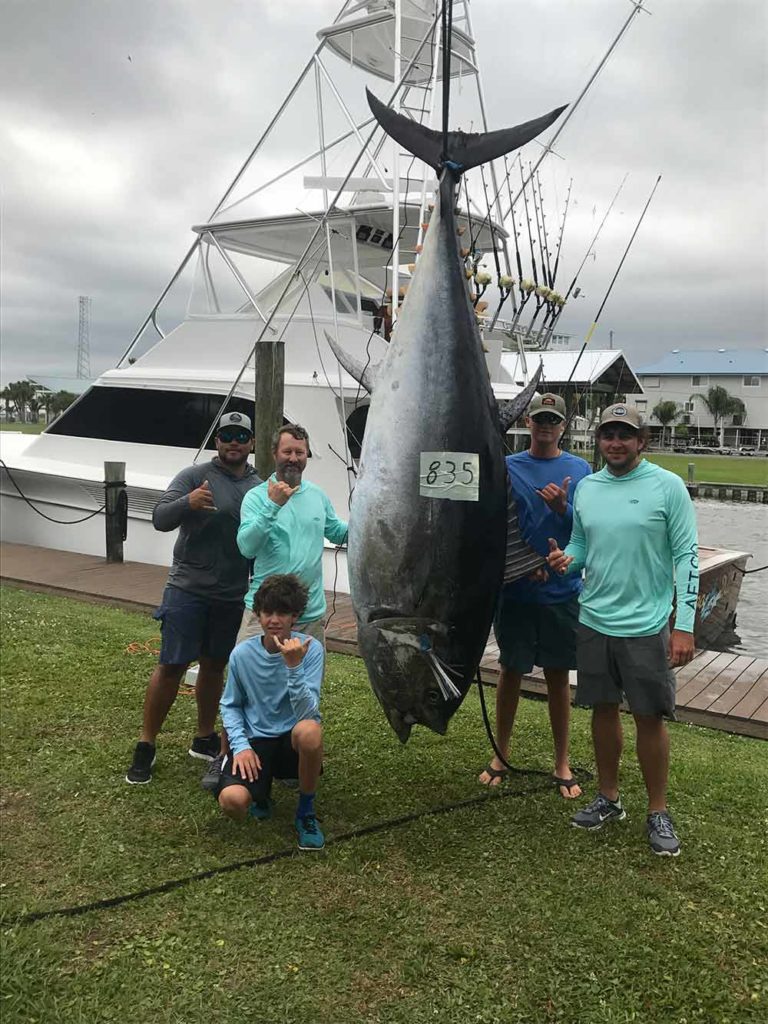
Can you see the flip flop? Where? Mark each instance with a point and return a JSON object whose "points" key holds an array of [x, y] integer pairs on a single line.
{"points": [[565, 783], [495, 773]]}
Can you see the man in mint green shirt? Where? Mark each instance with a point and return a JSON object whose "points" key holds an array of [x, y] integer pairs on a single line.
{"points": [[282, 526], [634, 534]]}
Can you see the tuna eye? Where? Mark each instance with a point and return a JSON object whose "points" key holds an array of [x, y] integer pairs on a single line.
{"points": [[433, 697]]}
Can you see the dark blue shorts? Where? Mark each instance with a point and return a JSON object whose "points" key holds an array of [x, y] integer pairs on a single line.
{"points": [[536, 634], [192, 626]]}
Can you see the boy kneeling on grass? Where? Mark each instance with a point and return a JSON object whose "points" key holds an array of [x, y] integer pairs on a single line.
{"points": [[270, 709]]}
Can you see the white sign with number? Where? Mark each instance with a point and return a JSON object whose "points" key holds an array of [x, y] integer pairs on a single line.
{"points": [[453, 475]]}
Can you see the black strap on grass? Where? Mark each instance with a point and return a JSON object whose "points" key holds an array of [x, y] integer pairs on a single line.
{"points": [[270, 858]]}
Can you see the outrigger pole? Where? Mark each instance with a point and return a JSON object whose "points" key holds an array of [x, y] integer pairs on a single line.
{"points": [[591, 330]]}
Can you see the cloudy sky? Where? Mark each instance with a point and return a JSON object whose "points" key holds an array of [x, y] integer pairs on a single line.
{"points": [[122, 124]]}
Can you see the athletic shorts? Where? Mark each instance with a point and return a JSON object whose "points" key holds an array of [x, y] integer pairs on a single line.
{"points": [[278, 761], [536, 634], [612, 668], [250, 626], [192, 626]]}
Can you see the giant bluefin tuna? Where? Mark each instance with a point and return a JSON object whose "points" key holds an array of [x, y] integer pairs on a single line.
{"points": [[428, 520]]}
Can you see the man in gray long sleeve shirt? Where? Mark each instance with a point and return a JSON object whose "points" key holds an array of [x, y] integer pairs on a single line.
{"points": [[203, 600]]}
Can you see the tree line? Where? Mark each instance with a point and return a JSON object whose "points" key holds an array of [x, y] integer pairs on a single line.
{"points": [[24, 401]]}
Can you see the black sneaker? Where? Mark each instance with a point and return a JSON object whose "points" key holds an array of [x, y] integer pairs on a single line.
{"points": [[661, 834], [210, 781], [205, 747], [598, 813], [140, 771]]}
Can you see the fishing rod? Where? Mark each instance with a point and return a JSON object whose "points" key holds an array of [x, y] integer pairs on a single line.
{"points": [[595, 237], [562, 231], [591, 330], [541, 229], [530, 235]]}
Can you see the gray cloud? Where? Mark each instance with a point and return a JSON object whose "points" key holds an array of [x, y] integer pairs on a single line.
{"points": [[108, 161]]}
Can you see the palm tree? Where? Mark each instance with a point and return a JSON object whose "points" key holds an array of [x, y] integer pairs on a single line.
{"points": [[719, 403], [20, 393], [666, 412]]}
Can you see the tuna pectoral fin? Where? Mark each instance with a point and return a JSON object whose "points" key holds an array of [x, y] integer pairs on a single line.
{"points": [[462, 150], [514, 409], [364, 374]]}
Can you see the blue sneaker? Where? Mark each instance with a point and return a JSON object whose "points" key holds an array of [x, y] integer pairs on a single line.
{"points": [[309, 832], [261, 812]]}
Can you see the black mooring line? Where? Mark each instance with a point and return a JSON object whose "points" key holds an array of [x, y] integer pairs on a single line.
{"points": [[271, 858]]}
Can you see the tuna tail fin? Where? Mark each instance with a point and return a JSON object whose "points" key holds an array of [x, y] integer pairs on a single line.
{"points": [[514, 409], [461, 150]]}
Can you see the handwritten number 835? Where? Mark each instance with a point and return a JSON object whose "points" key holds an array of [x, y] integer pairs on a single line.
{"points": [[447, 470]]}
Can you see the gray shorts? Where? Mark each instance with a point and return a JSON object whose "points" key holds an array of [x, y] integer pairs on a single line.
{"points": [[636, 667], [250, 626]]}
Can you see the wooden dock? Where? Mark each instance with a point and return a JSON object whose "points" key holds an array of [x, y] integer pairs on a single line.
{"points": [[717, 690]]}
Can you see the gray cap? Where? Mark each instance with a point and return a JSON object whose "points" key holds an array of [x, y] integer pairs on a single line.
{"points": [[235, 419], [621, 413], [547, 403]]}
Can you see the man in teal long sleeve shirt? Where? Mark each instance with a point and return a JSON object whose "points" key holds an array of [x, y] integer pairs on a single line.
{"points": [[634, 534], [282, 526]]}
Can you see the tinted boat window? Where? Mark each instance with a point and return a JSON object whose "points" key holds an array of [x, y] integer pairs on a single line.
{"points": [[179, 419]]}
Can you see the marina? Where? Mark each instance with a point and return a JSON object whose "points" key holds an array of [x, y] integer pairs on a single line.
{"points": [[720, 690]]}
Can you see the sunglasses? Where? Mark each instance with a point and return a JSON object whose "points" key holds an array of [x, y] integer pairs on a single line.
{"points": [[622, 433], [230, 434], [546, 419]]}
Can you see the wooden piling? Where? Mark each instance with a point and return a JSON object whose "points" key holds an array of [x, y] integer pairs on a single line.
{"points": [[269, 365], [115, 509]]}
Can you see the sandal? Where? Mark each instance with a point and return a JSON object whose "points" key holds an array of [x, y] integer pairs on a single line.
{"points": [[494, 773], [566, 784]]}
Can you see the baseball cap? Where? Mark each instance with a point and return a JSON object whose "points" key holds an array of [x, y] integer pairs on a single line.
{"points": [[547, 403], [621, 413], [235, 419]]}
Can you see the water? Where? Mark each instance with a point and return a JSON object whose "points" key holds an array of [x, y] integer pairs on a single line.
{"points": [[742, 527]]}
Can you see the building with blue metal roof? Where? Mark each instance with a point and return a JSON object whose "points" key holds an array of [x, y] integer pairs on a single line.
{"points": [[686, 377]]}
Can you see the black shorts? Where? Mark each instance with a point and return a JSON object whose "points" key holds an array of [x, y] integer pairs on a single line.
{"points": [[278, 761]]}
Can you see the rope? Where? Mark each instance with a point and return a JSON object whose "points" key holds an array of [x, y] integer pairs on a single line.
{"points": [[144, 646], [270, 858], [60, 522]]}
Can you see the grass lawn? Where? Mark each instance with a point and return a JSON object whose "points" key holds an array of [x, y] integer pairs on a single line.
{"points": [[717, 469], [495, 911], [24, 428]]}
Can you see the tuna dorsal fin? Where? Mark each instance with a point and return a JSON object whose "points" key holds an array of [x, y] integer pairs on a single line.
{"points": [[515, 407], [363, 374], [462, 150]]}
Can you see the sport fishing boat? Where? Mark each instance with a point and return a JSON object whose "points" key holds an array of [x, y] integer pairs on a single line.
{"points": [[253, 274]]}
